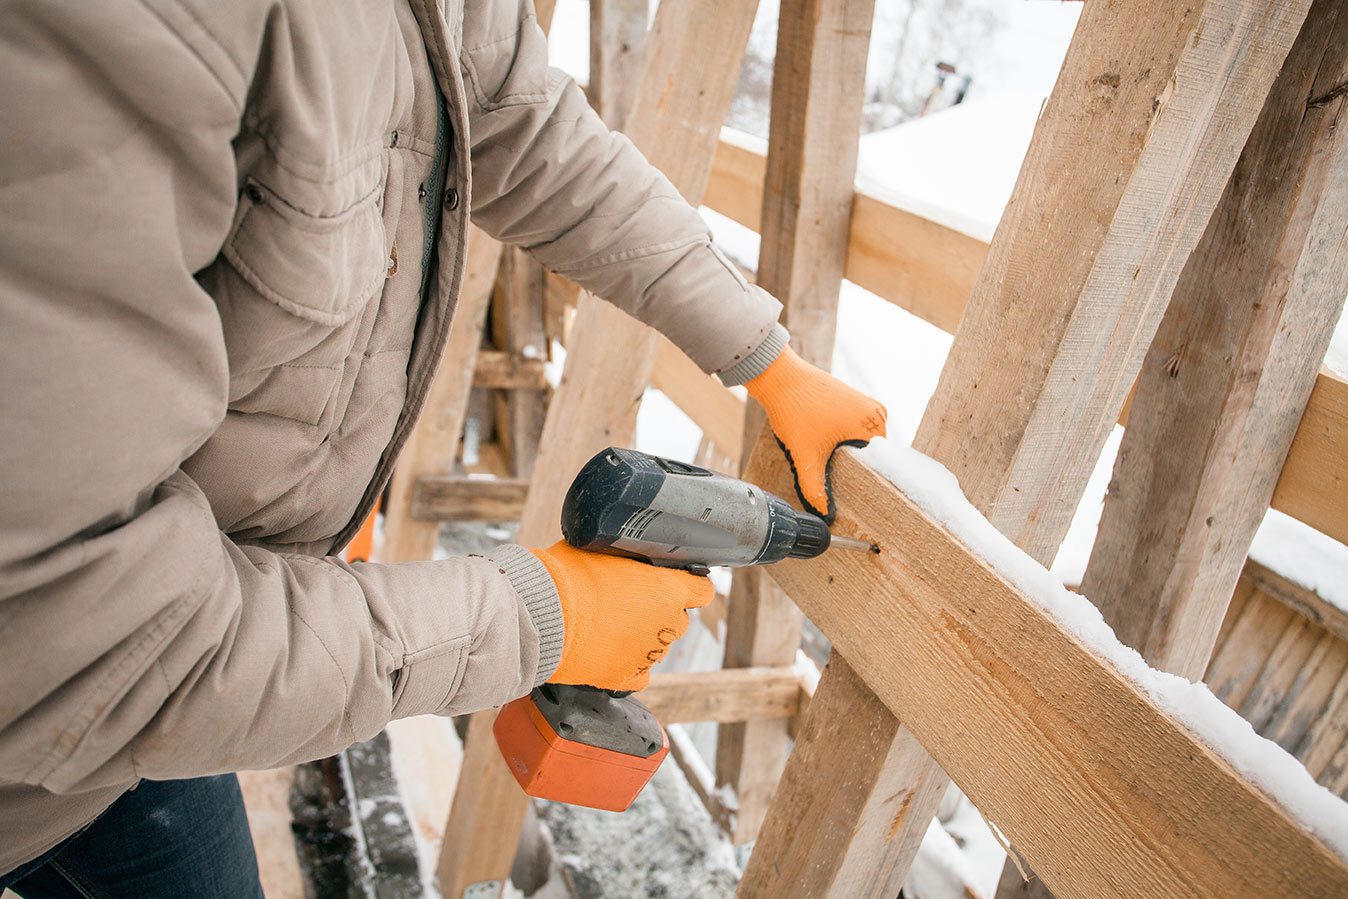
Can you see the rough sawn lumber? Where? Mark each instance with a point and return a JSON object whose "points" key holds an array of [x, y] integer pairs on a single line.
{"points": [[1098, 789]]}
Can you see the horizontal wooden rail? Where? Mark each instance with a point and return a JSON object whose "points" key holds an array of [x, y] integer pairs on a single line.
{"points": [[730, 694], [454, 498], [928, 269], [507, 371], [1102, 792]]}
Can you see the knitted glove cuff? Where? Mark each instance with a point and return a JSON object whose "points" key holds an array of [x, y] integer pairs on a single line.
{"points": [[754, 364], [537, 591]]}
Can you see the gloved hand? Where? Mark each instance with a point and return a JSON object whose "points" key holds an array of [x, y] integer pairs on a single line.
{"points": [[812, 413], [620, 615]]}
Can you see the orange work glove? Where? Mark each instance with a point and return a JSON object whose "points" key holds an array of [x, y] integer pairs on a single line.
{"points": [[619, 615], [812, 413]]}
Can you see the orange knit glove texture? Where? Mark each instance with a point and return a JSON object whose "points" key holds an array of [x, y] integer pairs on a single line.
{"points": [[620, 615], [812, 413]]}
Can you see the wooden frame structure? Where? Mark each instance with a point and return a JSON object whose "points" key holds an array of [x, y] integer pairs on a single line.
{"points": [[1170, 258]]}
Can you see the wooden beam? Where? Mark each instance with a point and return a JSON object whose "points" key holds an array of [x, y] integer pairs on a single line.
{"points": [[928, 269], [725, 696], [1281, 661], [920, 265], [434, 443], [617, 38], [817, 91], [1226, 380], [674, 121], [451, 498], [1313, 484], [517, 328], [1152, 107], [712, 407], [826, 820], [1092, 783], [500, 370]]}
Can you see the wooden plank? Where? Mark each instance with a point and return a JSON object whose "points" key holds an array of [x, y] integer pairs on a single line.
{"points": [[517, 328], [674, 121], [484, 783], [1227, 377], [500, 370], [929, 269], [728, 695], [617, 37], [1102, 792], [713, 408], [817, 90], [452, 498], [1127, 162], [923, 266], [1304, 601], [799, 817], [1313, 486], [434, 443]]}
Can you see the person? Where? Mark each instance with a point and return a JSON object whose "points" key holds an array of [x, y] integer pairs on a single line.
{"points": [[233, 234]]}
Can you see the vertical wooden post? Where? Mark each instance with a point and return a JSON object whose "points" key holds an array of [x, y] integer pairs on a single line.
{"points": [[617, 36], [1225, 381], [434, 443], [817, 89], [1228, 376], [517, 329], [675, 120], [1128, 160]]}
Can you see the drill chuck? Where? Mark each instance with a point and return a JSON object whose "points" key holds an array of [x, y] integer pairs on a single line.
{"points": [[677, 515]]}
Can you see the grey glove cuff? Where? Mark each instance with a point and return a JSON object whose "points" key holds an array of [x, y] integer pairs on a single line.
{"points": [[536, 590], [754, 364]]}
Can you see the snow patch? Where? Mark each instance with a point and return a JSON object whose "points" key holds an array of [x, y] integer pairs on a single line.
{"points": [[933, 488], [1304, 556]]}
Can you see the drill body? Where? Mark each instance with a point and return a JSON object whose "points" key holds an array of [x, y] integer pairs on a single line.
{"points": [[585, 746]]}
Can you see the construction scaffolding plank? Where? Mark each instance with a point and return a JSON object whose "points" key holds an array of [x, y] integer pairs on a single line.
{"points": [[1152, 108], [1102, 791]]}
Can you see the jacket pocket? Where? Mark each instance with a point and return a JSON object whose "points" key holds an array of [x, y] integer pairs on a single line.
{"points": [[290, 299], [321, 268], [430, 678]]}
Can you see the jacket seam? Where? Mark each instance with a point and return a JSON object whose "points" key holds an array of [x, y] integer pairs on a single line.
{"points": [[329, 169], [523, 23], [518, 98], [634, 253], [235, 102], [547, 126], [346, 684], [630, 212]]}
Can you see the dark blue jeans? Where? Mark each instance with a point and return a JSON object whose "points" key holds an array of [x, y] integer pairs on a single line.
{"points": [[164, 838]]}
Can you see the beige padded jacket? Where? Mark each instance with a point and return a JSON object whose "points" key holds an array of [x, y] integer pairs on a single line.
{"points": [[214, 222]]}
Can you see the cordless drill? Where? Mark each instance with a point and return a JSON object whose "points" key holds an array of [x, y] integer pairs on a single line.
{"points": [[591, 747]]}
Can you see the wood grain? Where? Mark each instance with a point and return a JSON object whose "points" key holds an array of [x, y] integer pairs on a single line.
{"points": [[457, 498], [1129, 158], [1099, 790], [617, 39], [499, 370], [929, 269], [818, 86], [1227, 377], [728, 695], [434, 443]]}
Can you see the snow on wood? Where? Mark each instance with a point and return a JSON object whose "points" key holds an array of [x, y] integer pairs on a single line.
{"points": [[936, 491]]}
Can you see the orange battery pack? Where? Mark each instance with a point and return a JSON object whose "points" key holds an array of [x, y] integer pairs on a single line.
{"points": [[580, 746]]}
